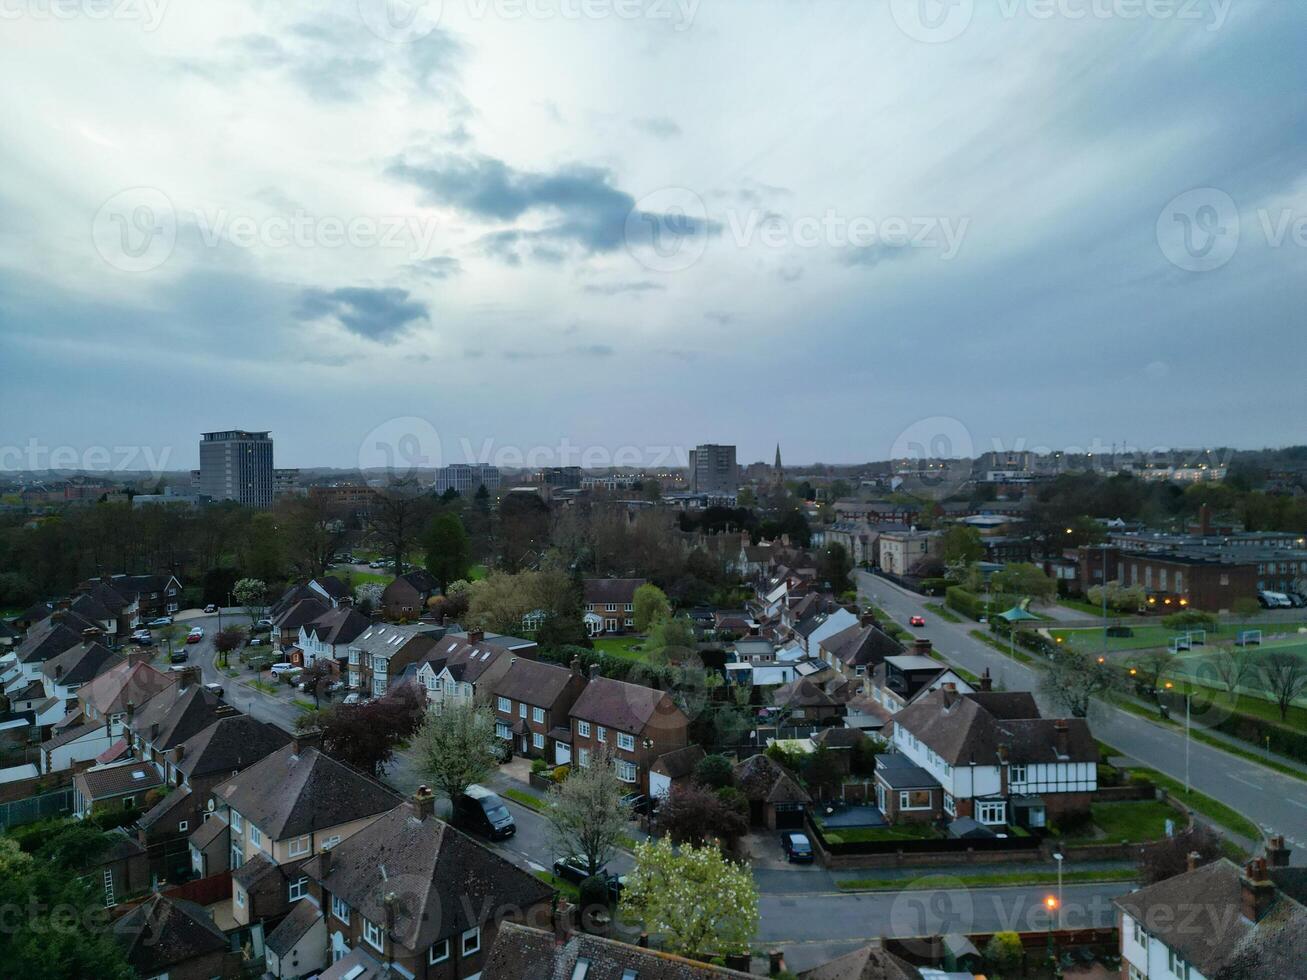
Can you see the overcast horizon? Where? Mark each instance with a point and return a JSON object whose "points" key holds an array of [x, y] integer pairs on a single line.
{"points": [[446, 231]]}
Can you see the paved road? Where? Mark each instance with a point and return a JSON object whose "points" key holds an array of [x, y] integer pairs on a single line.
{"points": [[1275, 802], [263, 707]]}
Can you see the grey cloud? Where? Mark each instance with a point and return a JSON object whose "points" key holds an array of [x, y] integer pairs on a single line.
{"points": [[790, 273], [720, 318], [660, 127], [618, 288], [437, 267], [870, 256], [380, 315]]}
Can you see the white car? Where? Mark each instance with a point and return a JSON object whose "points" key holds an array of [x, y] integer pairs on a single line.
{"points": [[353, 699], [282, 668], [197, 631]]}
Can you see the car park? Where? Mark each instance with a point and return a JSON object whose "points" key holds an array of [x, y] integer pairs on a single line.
{"points": [[797, 847], [917, 621], [482, 811], [573, 869]]}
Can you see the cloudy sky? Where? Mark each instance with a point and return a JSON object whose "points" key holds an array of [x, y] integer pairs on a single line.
{"points": [[501, 228]]}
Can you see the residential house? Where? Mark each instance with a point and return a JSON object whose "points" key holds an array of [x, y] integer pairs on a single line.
{"points": [[327, 638], [812, 629], [635, 725], [855, 651], [121, 870], [378, 656], [817, 696], [410, 892], [523, 953], [65, 673], [46, 639], [610, 604], [902, 552], [105, 706], [776, 800], [175, 939], [875, 962], [673, 769], [274, 816], [857, 538], [1218, 922], [990, 756], [288, 621], [533, 701], [326, 589], [119, 786], [461, 669], [899, 681], [406, 597], [173, 716]]}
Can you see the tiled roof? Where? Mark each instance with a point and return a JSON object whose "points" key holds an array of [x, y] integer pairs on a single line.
{"points": [[386, 640], [80, 664], [303, 916], [338, 625], [615, 590], [287, 795], [163, 933], [444, 882], [861, 645], [534, 682], [966, 727], [134, 683], [46, 639], [120, 779], [868, 963], [679, 763], [520, 953], [229, 745], [179, 715], [627, 707]]}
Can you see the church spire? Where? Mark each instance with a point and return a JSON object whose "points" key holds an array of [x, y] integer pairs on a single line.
{"points": [[777, 465]]}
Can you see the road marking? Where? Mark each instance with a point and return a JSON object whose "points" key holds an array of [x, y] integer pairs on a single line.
{"points": [[1299, 803], [1246, 782]]}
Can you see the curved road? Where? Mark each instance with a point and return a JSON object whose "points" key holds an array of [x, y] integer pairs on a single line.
{"points": [[1275, 802]]}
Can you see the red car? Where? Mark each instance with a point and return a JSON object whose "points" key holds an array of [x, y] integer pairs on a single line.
{"points": [[917, 621]]}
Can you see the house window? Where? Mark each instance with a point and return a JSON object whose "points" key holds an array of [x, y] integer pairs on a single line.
{"points": [[1177, 965], [601, 733], [502, 731], [583, 729], [611, 607], [626, 771], [625, 741], [238, 895], [992, 812], [330, 842], [299, 846], [538, 715], [538, 740], [256, 836], [128, 802], [183, 826], [372, 934], [506, 706], [1141, 937], [339, 909], [914, 799], [583, 757], [950, 805], [1017, 775], [439, 952], [471, 941], [298, 889], [521, 709], [235, 821]]}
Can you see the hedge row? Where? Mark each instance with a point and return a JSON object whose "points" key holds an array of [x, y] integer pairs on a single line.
{"points": [[973, 606], [1284, 741]]}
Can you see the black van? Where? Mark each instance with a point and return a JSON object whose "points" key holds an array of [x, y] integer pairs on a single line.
{"points": [[482, 812]]}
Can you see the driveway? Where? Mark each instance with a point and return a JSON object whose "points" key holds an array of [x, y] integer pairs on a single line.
{"points": [[1276, 802]]}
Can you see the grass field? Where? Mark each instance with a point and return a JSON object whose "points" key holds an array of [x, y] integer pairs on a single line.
{"points": [[624, 647], [1206, 806], [1132, 822], [1147, 637], [477, 572]]}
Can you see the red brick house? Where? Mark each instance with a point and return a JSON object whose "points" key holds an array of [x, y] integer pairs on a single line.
{"points": [[610, 604], [533, 699], [634, 724], [406, 597]]}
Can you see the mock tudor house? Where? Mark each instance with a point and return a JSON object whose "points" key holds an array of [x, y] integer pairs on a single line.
{"points": [[328, 637], [462, 669], [635, 725], [987, 755], [408, 896], [379, 655], [610, 604], [406, 597], [532, 705], [272, 817], [1218, 922]]}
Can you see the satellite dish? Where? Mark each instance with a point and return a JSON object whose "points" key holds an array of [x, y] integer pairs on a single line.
{"points": [[211, 807]]}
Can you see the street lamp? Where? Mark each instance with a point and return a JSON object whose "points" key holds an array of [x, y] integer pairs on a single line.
{"points": [[1052, 904], [1058, 857]]}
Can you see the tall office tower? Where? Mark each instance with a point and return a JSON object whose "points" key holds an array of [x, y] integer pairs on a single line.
{"points": [[466, 479], [713, 469], [237, 465]]}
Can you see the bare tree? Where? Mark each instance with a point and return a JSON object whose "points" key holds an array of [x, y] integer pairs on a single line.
{"points": [[1233, 668], [456, 747], [398, 515], [313, 534], [1073, 679], [1154, 665], [586, 813], [1285, 676]]}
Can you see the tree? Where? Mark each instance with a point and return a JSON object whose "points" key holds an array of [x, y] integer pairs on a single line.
{"points": [[315, 678], [833, 568], [1232, 667], [821, 769], [448, 549], [523, 529], [252, 594], [1004, 952], [586, 815], [365, 735], [228, 640], [961, 545], [312, 532], [715, 772], [456, 747], [1154, 665], [1245, 608], [671, 640], [1022, 578], [1285, 677], [1190, 619], [698, 902], [1073, 679], [696, 815], [396, 517], [650, 606], [1169, 857]]}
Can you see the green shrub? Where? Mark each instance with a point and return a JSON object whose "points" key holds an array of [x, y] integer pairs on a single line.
{"points": [[538, 766], [593, 891], [1004, 952], [734, 798], [715, 772]]}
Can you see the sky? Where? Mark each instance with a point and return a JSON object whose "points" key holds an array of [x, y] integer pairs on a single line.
{"points": [[597, 232]]}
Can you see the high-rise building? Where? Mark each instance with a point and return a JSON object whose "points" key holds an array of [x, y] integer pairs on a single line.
{"points": [[713, 469], [237, 465], [466, 479]]}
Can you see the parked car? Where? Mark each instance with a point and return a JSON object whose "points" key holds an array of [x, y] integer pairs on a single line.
{"points": [[178, 657], [282, 668], [483, 812], [214, 689], [355, 698], [161, 621], [194, 637], [573, 869], [256, 641], [637, 803], [142, 636], [916, 620], [797, 847], [211, 607]]}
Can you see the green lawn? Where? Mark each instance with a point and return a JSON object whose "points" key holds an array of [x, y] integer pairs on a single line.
{"points": [[625, 647], [364, 578], [1000, 880], [1146, 637], [477, 572], [528, 800], [1212, 809], [866, 835], [943, 612], [568, 890], [1134, 822]]}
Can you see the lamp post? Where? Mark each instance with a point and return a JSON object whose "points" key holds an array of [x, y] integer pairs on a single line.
{"points": [[1052, 904], [1187, 696], [1058, 857]]}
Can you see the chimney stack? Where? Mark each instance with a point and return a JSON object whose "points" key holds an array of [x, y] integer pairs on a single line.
{"points": [[476, 636], [1277, 854], [303, 741], [575, 665], [327, 860], [154, 730], [950, 694], [1192, 859], [424, 802], [594, 672], [58, 672], [177, 752], [868, 619], [131, 710], [1062, 738], [922, 646], [986, 682], [89, 634], [643, 941], [1256, 891], [775, 962], [1204, 520]]}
